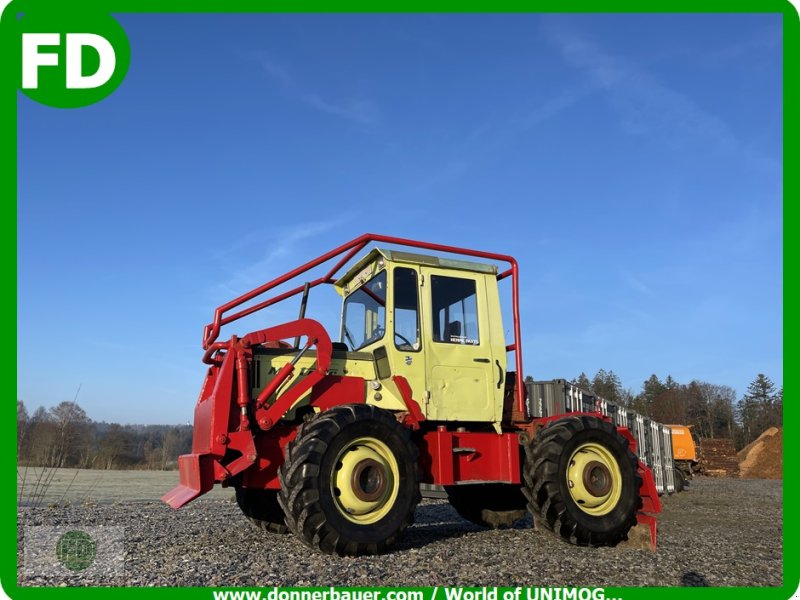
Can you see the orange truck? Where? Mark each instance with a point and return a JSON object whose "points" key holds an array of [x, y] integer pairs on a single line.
{"points": [[685, 454]]}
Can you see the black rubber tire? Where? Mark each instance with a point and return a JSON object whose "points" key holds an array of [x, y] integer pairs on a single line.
{"points": [[505, 503], [550, 501], [680, 480], [262, 508], [308, 472]]}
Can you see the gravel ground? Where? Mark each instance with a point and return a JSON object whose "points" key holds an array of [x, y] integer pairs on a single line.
{"points": [[722, 532]]}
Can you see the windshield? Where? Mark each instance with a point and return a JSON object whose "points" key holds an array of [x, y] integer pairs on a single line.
{"points": [[364, 314]]}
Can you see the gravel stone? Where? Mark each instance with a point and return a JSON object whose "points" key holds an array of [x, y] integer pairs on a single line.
{"points": [[721, 532]]}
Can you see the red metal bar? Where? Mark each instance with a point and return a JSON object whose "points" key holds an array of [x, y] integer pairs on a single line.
{"points": [[274, 384], [372, 295], [210, 351], [269, 302], [242, 378], [211, 332], [415, 415], [344, 259]]}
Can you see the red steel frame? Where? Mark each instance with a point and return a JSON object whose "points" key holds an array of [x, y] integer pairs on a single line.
{"points": [[349, 250]]}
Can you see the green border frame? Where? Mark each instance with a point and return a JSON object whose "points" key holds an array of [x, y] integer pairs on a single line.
{"points": [[8, 240]]}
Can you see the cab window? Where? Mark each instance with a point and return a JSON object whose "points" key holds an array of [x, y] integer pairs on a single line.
{"points": [[364, 313], [455, 310], [406, 310]]}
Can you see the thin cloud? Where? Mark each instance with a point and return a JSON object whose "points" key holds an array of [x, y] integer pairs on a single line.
{"points": [[554, 106], [357, 110], [272, 68], [767, 39], [280, 245], [636, 284], [644, 103]]}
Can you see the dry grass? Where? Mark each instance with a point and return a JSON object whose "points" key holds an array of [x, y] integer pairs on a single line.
{"points": [[38, 486]]}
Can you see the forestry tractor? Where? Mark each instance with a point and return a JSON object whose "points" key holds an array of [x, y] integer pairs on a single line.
{"points": [[332, 440]]}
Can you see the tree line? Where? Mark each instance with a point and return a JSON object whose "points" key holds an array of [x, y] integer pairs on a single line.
{"points": [[64, 436], [713, 410]]}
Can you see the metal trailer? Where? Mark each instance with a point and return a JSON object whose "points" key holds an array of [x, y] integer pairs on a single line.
{"points": [[557, 396], [640, 433], [669, 466], [574, 397], [656, 454], [602, 406], [611, 411], [621, 417], [648, 443]]}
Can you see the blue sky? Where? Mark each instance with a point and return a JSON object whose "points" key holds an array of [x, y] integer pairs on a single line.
{"points": [[631, 163]]}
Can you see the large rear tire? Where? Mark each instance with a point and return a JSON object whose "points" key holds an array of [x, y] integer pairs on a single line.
{"points": [[581, 481], [489, 504], [350, 481], [262, 508]]}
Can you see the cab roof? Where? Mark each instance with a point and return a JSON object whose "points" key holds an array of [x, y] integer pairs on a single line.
{"points": [[412, 258]]}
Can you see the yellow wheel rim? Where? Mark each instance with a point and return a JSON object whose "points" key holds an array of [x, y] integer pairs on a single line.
{"points": [[594, 479], [366, 481]]}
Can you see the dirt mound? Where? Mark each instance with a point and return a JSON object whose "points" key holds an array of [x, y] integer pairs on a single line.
{"points": [[763, 458]]}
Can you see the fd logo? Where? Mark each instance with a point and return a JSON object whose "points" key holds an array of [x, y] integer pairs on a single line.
{"points": [[33, 58], [71, 59]]}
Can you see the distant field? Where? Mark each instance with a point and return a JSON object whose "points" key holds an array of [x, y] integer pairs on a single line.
{"points": [[70, 486]]}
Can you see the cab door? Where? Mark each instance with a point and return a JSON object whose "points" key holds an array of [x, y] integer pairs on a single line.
{"points": [[405, 346], [463, 375]]}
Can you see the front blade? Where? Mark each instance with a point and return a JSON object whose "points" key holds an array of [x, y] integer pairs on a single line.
{"points": [[196, 478]]}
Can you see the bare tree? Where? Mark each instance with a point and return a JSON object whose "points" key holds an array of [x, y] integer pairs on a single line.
{"points": [[113, 446], [22, 427], [172, 446], [71, 427], [670, 406], [42, 439]]}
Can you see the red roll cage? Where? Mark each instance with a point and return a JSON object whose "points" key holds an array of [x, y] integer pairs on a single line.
{"points": [[346, 252]]}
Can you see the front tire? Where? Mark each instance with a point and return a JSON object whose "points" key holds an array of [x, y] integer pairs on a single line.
{"points": [[350, 482], [581, 481]]}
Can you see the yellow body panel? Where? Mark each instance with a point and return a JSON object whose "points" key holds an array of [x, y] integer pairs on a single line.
{"points": [[268, 362], [458, 377]]}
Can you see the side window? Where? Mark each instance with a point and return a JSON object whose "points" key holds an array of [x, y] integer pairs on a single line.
{"points": [[455, 310], [406, 310]]}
